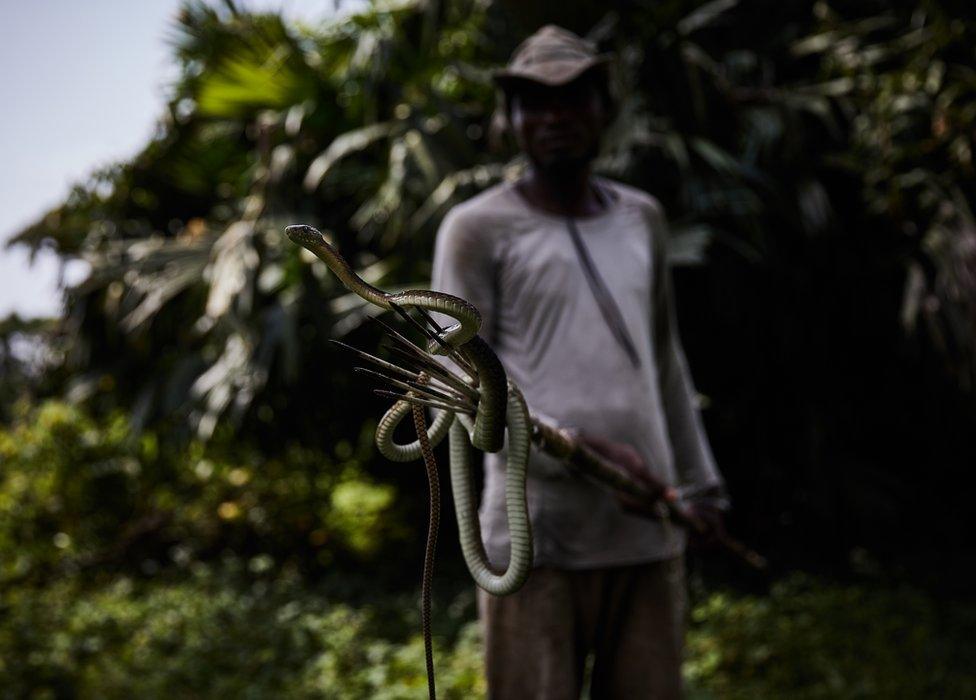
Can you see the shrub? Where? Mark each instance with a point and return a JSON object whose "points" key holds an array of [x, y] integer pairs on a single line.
{"points": [[812, 639], [82, 494], [210, 637], [225, 632]]}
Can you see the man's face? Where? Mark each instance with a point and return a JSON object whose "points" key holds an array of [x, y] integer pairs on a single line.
{"points": [[558, 127]]}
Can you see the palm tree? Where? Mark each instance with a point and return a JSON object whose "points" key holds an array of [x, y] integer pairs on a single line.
{"points": [[194, 303], [818, 179]]}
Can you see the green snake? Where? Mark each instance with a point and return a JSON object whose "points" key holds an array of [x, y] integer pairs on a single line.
{"points": [[500, 407]]}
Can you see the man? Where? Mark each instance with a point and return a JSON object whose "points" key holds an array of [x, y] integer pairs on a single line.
{"points": [[568, 271]]}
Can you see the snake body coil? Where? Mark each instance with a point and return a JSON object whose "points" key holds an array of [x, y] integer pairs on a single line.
{"points": [[499, 405], [520, 533]]}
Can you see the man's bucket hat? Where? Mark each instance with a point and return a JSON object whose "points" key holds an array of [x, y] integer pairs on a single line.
{"points": [[551, 56]]}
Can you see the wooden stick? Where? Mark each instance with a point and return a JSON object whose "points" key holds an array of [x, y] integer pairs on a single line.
{"points": [[578, 457]]}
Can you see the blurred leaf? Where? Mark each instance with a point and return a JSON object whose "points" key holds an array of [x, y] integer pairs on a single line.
{"points": [[344, 145]]}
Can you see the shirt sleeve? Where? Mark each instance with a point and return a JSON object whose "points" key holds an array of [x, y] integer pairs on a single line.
{"points": [[464, 266], [695, 464]]}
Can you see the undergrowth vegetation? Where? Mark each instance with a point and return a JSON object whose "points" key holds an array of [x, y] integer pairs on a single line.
{"points": [[222, 632]]}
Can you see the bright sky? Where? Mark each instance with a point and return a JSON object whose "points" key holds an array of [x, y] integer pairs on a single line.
{"points": [[81, 84]]}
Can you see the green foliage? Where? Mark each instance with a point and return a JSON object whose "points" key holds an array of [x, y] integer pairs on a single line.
{"points": [[28, 358], [910, 91], [220, 633], [80, 495], [809, 639], [209, 637], [66, 487]]}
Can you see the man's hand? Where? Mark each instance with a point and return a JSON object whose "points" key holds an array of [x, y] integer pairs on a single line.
{"points": [[714, 521], [629, 460]]}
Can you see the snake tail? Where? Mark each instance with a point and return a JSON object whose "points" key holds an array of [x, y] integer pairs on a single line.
{"points": [[433, 524]]}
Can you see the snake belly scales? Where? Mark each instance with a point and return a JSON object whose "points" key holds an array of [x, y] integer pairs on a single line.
{"points": [[500, 406]]}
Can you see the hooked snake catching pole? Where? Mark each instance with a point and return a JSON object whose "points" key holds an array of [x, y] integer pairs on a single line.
{"points": [[476, 410]]}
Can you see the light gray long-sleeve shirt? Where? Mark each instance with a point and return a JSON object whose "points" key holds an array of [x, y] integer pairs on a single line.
{"points": [[517, 265]]}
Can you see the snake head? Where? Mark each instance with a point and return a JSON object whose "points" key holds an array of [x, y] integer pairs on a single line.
{"points": [[305, 235]]}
